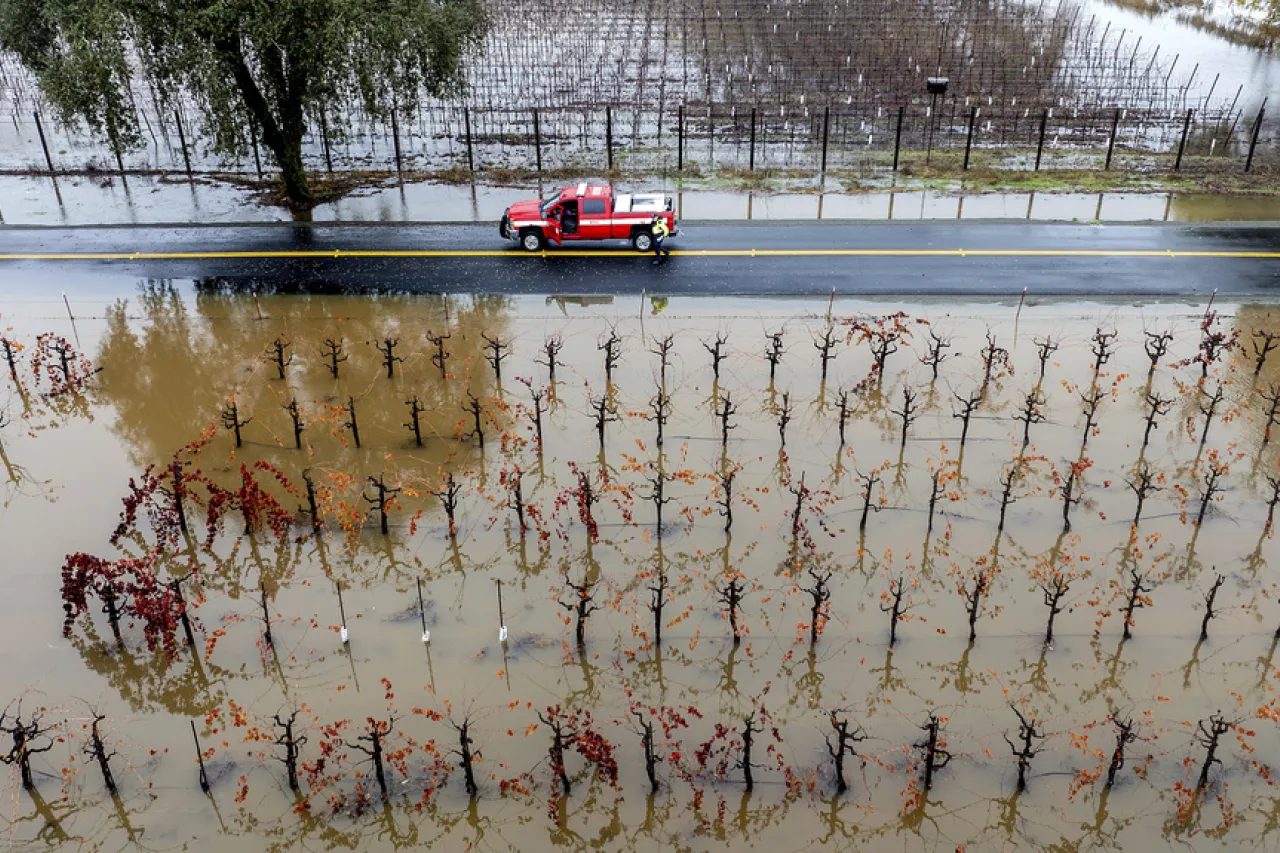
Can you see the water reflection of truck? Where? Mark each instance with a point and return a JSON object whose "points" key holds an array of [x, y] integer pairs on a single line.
{"points": [[588, 212]]}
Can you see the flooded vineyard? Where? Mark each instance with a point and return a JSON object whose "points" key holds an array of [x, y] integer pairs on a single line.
{"points": [[521, 573]]}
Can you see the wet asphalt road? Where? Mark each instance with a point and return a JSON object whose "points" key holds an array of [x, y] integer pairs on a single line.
{"points": [[927, 259]]}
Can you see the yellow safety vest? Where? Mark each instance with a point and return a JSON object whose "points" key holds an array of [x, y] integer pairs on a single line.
{"points": [[660, 229]]}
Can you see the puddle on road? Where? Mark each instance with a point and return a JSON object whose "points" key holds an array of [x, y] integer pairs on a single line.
{"points": [[172, 354], [80, 201]]}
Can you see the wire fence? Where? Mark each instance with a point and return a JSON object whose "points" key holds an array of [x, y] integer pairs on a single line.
{"points": [[698, 138], [713, 85]]}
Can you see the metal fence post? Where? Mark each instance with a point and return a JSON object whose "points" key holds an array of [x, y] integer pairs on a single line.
{"points": [[680, 138], [537, 140], [1111, 144], [43, 143], [968, 143], [1253, 141], [826, 128], [466, 121], [1044, 123], [897, 139], [1182, 145], [608, 135], [182, 140], [752, 156]]}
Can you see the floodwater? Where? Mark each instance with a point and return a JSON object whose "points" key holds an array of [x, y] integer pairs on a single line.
{"points": [[84, 201], [171, 355]]}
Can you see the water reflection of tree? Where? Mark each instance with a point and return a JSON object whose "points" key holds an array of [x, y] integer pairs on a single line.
{"points": [[169, 377]]}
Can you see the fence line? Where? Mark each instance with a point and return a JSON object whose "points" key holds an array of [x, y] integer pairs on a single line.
{"points": [[702, 137]]}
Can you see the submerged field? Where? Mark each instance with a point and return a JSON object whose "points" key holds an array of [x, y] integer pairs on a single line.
{"points": [[1092, 486]]}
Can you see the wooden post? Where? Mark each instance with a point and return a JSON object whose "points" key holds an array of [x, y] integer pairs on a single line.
{"points": [[680, 139], [253, 137], [537, 140], [1182, 145], [466, 121], [324, 138], [968, 144], [1253, 141], [43, 144], [395, 138], [204, 777], [608, 134], [1111, 144], [422, 612], [826, 129], [1044, 123], [752, 161], [897, 138], [182, 140]]}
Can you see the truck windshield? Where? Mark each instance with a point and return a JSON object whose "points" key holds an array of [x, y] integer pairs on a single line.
{"points": [[549, 203]]}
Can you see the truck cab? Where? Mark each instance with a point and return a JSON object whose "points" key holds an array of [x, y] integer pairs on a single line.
{"points": [[588, 212]]}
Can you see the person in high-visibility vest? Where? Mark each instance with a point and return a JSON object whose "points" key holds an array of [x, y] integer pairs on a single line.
{"points": [[660, 232]]}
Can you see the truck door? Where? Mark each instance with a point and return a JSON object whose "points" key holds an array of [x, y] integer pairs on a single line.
{"points": [[594, 220], [553, 231]]}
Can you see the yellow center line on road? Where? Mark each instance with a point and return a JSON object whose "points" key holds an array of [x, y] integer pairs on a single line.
{"points": [[598, 253]]}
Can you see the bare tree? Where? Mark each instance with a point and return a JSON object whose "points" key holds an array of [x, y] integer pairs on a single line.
{"points": [[476, 410], [725, 411], [1263, 343], [231, 419], [869, 482], [27, 737], [842, 413], [825, 346], [820, 597], [602, 411], [288, 739], [382, 500], [716, 351], [967, 407], [1044, 349], [466, 754], [333, 354], [448, 497], [1272, 396], [1208, 736], [895, 604], [846, 740], [276, 355], [773, 354], [295, 414], [1089, 402], [1125, 735], [731, 595], [908, 413], [497, 353], [1030, 736], [389, 357], [1157, 345], [439, 358], [935, 356], [1157, 406], [612, 349], [1209, 612], [934, 756], [660, 405], [375, 735], [1031, 413], [1208, 405], [784, 417], [1135, 597], [97, 751], [551, 348], [724, 498], [663, 352], [581, 604], [1143, 485], [413, 425]]}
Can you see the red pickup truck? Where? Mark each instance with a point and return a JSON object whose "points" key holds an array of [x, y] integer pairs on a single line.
{"points": [[588, 212]]}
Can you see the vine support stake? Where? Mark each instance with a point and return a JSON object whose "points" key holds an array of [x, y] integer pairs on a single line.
{"points": [[502, 619], [342, 613], [422, 612]]}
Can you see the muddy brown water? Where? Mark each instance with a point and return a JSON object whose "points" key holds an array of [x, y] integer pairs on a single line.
{"points": [[171, 356]]}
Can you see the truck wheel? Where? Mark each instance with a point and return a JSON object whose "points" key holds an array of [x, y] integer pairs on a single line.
{"points": [[642, 241], [531, 241]]}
